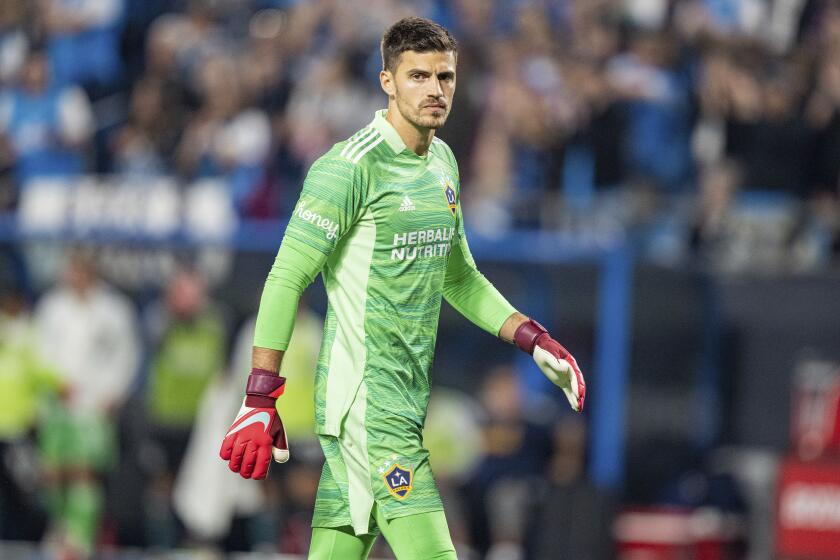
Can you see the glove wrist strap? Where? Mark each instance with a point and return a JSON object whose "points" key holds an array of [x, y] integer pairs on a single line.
{"points": [[527, 334], [263, 388]]}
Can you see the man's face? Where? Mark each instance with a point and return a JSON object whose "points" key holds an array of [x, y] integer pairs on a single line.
{"points": [[422, 85]]}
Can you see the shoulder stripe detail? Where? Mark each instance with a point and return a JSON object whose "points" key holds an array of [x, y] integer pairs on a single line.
{"points": [[437, 140], [366, 150], [357, 142], [354, 139], [361, 144]]}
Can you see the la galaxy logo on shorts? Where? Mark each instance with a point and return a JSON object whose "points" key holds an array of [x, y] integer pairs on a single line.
{"points": [[399, 481], [449, 192]]}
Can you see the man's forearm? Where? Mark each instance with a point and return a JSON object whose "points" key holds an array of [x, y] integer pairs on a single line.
{"points": [[266, 359], [510, 325]]}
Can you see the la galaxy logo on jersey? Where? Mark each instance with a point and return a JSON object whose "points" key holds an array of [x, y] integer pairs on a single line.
{"points": [[399, 481], [449, 192]]}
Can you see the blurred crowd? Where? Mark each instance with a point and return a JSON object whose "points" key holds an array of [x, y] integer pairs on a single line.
{"points": [[113, 415], [704, 128]]}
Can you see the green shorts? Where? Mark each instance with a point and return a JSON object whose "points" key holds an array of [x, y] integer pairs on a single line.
{"points": [[372, 462], [68, 440]]}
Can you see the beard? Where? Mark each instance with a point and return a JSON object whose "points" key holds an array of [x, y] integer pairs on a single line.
{"points": [[414, 115]]}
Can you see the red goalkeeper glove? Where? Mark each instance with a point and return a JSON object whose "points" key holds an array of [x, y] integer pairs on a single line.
{"points": [[257, 433], [553, 360]]}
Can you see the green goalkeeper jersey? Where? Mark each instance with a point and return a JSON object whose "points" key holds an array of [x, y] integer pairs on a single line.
{"points": [[384, 227]]}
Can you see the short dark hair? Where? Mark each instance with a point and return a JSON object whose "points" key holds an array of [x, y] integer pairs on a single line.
{"points": [[414, 34]]}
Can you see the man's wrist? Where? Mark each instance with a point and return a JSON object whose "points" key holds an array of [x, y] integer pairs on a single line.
{"points": [[266, 359], [508, 329]]}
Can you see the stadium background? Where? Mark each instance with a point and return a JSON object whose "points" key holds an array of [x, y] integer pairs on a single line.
{"points": [[654, 180]]}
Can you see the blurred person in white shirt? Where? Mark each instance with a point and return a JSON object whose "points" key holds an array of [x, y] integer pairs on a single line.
{"points": [[88, 332]]}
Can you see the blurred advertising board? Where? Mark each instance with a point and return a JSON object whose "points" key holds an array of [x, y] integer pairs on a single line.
{"points": [[808, 510]]}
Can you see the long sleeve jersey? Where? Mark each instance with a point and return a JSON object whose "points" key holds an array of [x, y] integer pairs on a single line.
{"points": [[384, 227]]}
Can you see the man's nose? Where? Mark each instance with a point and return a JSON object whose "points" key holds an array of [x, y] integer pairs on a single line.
{"points": [[436, 88]]}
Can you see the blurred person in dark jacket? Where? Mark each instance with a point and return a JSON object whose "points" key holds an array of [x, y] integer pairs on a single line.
{"points": [[571, 518], [516, 451], [142, 146], [225, 139], [776, 147]]}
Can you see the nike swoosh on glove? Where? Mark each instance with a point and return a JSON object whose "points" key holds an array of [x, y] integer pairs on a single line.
{"points": [[257, 433], [553, 360]]}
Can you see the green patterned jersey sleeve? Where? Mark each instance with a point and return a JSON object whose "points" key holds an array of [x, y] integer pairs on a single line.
{"points": [[469, 292], [328, 206]]}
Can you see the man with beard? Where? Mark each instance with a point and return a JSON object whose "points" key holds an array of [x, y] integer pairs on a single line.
{"points": [[379, 216]]}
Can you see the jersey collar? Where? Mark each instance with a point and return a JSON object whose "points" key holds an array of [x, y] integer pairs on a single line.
{"points": [[388, 132]]}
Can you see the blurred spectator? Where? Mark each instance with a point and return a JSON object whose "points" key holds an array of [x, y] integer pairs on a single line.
{"points": [[452, 435], [655, 96], [774, 146], [816, 239], [143, 145], [26, 387], [516, 450], [224, 139], [13, 40], [327, 103], [572, 518], [823, 114], [88, 332], [45, 129], [265, 62], [83, 38], [187, 352], [714, 223]]}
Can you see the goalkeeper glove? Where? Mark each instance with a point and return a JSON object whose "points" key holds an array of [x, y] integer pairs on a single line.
{"points": [[257, 433], [553, 360]]}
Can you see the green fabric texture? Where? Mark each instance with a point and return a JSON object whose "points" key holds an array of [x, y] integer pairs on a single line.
{"points": [[357, 463], [385, 229], [68, 440], [424, 536], [25, 382], [295, 267], [85, 501], [189, 355]]}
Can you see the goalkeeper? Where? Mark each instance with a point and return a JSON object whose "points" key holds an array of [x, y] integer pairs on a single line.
{"points": [[380, 218]]}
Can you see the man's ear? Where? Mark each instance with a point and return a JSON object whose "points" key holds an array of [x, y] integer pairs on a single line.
{"points": [[386, 80]]}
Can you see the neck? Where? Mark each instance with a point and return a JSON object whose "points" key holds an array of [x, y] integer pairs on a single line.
{"points": [[416, 138]]}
